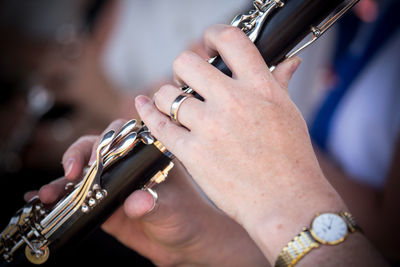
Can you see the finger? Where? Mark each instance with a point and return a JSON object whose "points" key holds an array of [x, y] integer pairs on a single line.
{"points": [[199, 48], [138, 204], [237, 51], [53, 191], [30, 194], [285, 70], [178, 186], [171, 135], [115, 125], [201, 76], [77, 156], [189, 111]]}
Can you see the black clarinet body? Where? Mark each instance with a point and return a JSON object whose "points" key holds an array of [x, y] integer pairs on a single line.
{"points": [[131, 173], [133, 159], [287, 27]]}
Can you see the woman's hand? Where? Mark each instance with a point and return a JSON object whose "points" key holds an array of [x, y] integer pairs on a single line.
{"points": [[246, 145], [183, 228]]}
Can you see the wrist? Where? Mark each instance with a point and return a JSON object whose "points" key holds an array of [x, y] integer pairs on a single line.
{"points": [[224, 242], [273, 231]]}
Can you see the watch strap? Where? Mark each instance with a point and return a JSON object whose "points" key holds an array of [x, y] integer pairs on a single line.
{"points": [[296, 249], [351, 222], [305, 242]]}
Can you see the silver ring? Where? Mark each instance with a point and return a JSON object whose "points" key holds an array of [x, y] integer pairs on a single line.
{"points": [[176, 104], [155, 198]]}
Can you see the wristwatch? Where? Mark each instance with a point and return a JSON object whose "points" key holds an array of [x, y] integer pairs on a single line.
{"points": [[326, 229]]}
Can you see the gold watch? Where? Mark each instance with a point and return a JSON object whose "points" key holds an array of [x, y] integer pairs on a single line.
{"points": [[326, 228]]}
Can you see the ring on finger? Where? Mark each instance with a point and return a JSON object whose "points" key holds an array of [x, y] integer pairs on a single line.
{"points": [[175, 106]]}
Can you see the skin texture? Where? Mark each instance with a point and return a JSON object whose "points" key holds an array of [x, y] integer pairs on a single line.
{"points": [[248, 149], [175, 232], [247, 145], [247, 126]]}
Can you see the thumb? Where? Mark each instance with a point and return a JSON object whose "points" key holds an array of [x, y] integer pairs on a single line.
{"points": [[285, 70], [178, 186], [138, 204], [135, 207]]}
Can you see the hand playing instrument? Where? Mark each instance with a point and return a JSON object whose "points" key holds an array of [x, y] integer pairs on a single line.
{"points": [[133, 159]]}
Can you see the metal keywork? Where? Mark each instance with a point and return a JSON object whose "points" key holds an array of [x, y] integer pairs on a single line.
{"points": [[252, 23], [36, 253], [88, 193], [33, 226], [318, 31], [122, 144], [159, 177], [24, 229]]}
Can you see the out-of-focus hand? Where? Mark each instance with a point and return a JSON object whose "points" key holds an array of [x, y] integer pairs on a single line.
{"points": [[246, 145], [183, 228]]}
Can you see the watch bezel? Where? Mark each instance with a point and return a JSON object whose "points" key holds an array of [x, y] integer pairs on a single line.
{"points": [[324, 242]]}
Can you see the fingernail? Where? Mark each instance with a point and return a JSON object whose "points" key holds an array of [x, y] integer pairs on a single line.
{"points": [[141, 101], [68, 166]]}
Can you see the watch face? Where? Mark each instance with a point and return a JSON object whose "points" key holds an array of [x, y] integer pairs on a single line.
{"points": [[329, 228]]}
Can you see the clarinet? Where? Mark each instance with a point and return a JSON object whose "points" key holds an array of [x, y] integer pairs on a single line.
{"points": [[133, 159]]}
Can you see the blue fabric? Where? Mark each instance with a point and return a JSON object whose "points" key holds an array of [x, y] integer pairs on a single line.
{"points": [[356, 46]]}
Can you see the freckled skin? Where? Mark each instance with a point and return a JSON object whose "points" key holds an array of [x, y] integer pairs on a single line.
{"points": [[255, 147], [248, 149]]}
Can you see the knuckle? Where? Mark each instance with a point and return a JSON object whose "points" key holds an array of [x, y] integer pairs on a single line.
{"points": [[159, 96], [82, 141], [159, 127], [269, 91], [269, 94], [76, 147], [87, 139], [72, 152], [233, 100], [120, 121], [117, 123], [182, 59], [164, 92], [229, 34]]}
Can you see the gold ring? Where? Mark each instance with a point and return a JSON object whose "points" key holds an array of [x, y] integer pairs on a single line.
{"points": [[176, 104]]}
